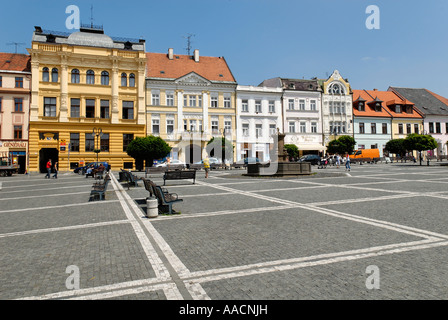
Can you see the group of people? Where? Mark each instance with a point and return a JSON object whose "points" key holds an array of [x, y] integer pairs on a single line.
{"points": [[50, 166], [335, 160]]}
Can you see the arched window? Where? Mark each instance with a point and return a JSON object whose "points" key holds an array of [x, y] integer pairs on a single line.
{"points": [[90, 79], [54, 75], [75, 76], [105, 78], [132, 80], [45, 75], [124, 80], [336, 88]]}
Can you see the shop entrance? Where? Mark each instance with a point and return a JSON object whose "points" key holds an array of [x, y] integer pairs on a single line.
{"points": [[46, 154]]}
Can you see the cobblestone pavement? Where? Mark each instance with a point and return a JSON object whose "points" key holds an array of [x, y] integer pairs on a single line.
{"points": [[376, 232]]}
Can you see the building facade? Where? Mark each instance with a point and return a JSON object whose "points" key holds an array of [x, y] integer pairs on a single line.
{"points": [[15, 84], [337, 111], [259, 115], [87, 96], [189, 100]]}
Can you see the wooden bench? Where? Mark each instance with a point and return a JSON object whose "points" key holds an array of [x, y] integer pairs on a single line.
{"points": [[178, 175], [151, 170], [131, 179], [165, 200], [149, 186], [99, 190]]}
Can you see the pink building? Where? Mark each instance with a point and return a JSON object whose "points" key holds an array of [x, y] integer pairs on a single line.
{"points": [[15, 93]]}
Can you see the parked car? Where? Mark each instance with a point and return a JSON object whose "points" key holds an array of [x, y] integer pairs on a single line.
{"points": [[313, 158], [249, 160], [211, 161], [172, 163], [95, 166]]}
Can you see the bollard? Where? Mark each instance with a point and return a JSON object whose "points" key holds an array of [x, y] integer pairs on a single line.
{"points": [[152, 207]]}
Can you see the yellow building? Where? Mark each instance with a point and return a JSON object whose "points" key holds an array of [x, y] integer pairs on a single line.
{"points": [[80, 82], [189, 100]]}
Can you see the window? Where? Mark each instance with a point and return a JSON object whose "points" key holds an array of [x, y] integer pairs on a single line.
{"points": [[45, 75], [54, 75], [200, 125], [314, 127], [169, 126], [227, 103], [105, 78], [155, 98], [378, 107], [199, 101], [272, 106], [90, 142], [185, 125], [438, 128], [408, 128], [258, 130], [301, 104], [302, 127], [17, 132], [257, 106], [49, 107], [272, 129], [290, 104], [75, 108], [104, 109], [193, 126], [132, 80], [90, 79], [361, 127], [170, 99], [416, 128], [214, 101], [192, 101], [155, 126], [384, 126], [74, 142], [431, 127], [409, 109], [1, 81], [18, 105], [127, 138], [215, 126], [228, 126], [245, 129], [373, 128], [19, 82], [245, 106], [128, 109], [292, 127], [400, 128], [124, 80], [335, 88], [90, 108], [398, 108], [361, 107], [313, 105], [104, 142], [75, 76]]}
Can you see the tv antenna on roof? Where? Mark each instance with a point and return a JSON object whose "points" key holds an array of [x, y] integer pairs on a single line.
{"points": [[16, 44], [188, 37]]}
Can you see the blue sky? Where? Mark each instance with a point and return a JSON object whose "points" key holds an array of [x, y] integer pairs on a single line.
{"points": [[262, 39]]}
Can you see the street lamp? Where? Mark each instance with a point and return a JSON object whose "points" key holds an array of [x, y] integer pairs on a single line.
{"points": [[97, 133]]}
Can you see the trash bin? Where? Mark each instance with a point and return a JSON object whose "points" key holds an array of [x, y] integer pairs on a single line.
{"points": [[152, 207]]}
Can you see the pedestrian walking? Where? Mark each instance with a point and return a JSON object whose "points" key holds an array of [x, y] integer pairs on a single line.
{"points": [[206, 166], [347, 163], [56, 169], [338, 160], [48, 166]]}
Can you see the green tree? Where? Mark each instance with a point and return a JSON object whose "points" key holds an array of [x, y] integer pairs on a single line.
{"points": [[147, 149], [220, 143], [342, 145], [292, 150], [396, 146], [420, 142]]}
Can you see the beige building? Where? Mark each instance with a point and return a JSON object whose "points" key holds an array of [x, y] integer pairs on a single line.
{"points": [[15, 80], [189, 100]]}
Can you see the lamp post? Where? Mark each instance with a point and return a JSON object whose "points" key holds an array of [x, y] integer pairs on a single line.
{"points": [[97, 133]]}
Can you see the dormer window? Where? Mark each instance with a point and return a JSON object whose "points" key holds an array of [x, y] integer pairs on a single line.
{"points": [[292, 86], [378, 107], [398, 108], [361, 107], [409, 110]]}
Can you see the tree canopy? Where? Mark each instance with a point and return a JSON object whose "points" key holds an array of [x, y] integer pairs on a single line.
{"points": [[342, 145], [292, 150], [396, 146], [147, 149], [420, 142]]}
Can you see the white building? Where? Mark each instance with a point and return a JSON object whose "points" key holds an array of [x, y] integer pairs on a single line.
{"points": [[259, 115], [302, 107]]}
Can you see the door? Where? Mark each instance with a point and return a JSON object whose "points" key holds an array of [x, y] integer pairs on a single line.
{"points": [[45, 155]]}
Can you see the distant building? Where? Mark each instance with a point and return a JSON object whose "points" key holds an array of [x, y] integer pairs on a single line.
{"points": [[259, 115], [15, 84], [435, 110]]}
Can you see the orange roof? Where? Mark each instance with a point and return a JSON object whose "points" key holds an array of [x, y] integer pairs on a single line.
{"points": [[14, 62], [389, 99], [211, 68], [369, 112], [443, 99]]}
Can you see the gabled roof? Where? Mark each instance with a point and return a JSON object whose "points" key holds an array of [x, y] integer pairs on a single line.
{"points": [[391, 98], [15, 62], [211, 68], [364, 96], [426, 101]]}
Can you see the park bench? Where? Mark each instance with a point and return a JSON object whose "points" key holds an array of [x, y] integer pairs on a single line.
{"points": [[151, 170], [149, 186], [99, 189], [181, 174], [132, 180], [165, 200]]}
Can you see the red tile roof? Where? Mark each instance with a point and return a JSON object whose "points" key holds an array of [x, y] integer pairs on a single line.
{"points": [[443, 99], [211, 68], [14, 62], [369, 112]]}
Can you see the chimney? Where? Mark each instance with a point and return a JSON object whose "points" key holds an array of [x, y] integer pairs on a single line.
{"points": [[170, 53], [375, 89], [196, 55]]}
